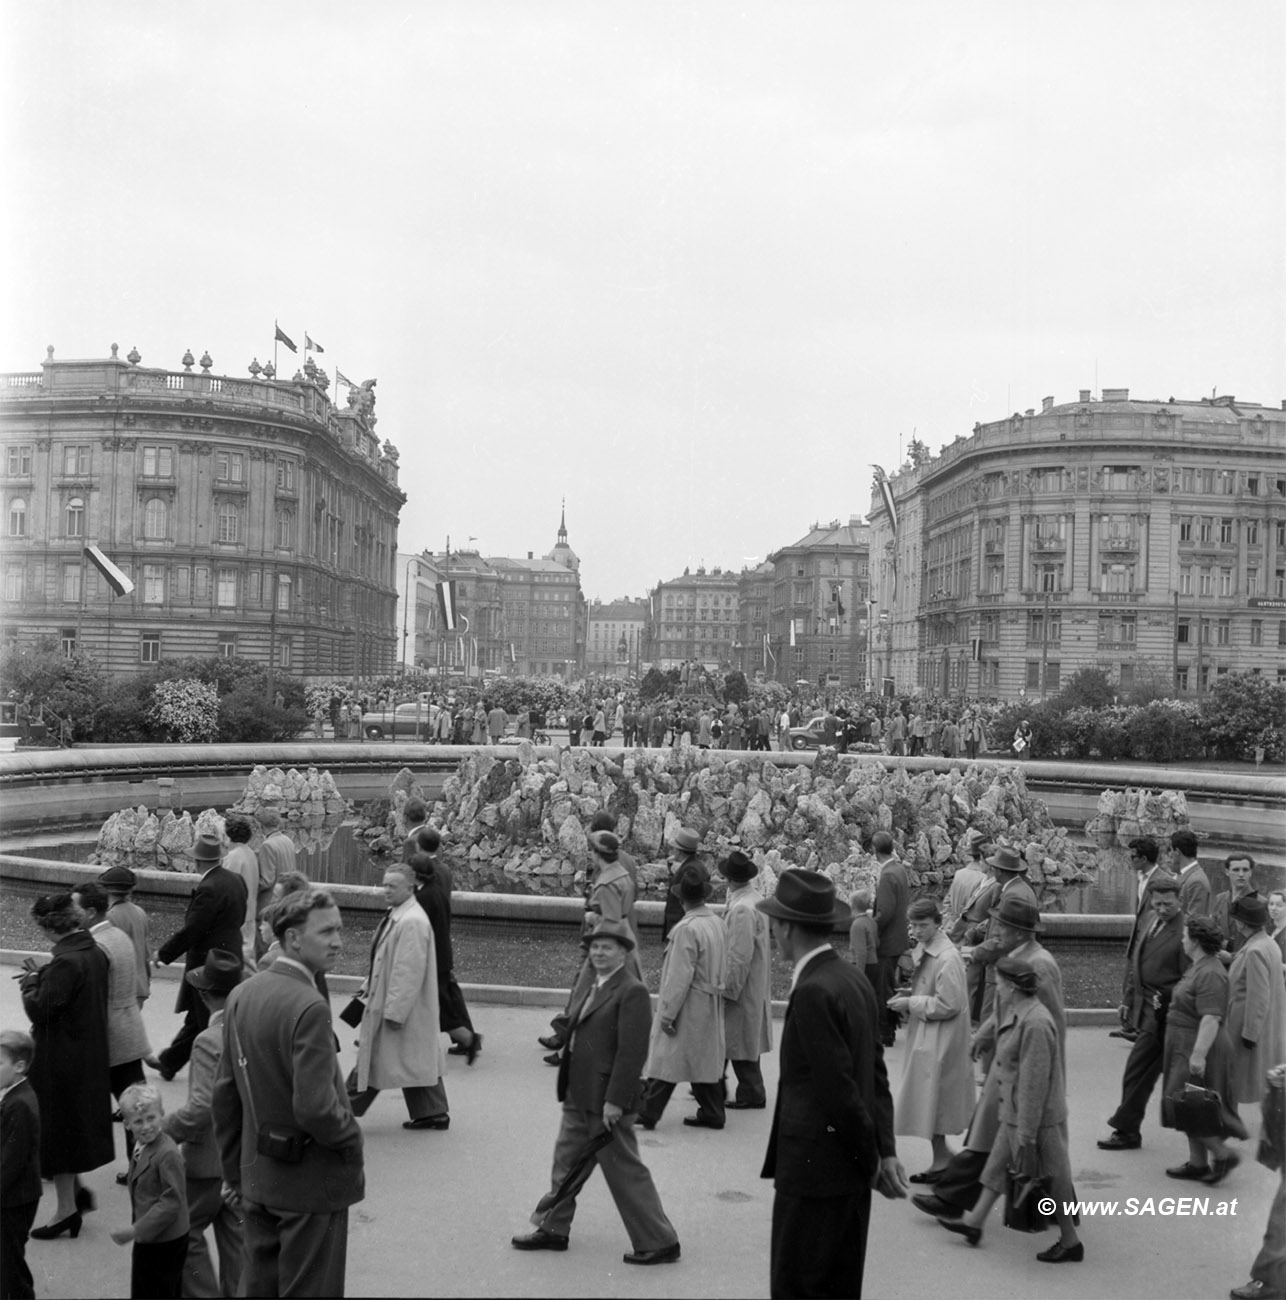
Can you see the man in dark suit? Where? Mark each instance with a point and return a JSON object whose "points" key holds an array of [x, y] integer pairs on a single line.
{"points": [[1156, 965], [213, 919], [892, 895], [1144, 852], [599, 1085], [981, 947], [1194, 884], [289, 1144], [832, 1131]]}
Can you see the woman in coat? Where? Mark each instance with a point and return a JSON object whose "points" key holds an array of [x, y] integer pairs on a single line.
{"points": [[1256, 1002], [611, 891], [1197, 1050], [1032, 1138], [66, 1002], [936, 1095]]}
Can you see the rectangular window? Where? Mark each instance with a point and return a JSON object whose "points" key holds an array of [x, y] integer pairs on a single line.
{"points": [[1223, 631], [1183, 633], [1033, 674], [1252, 485], [1281, 633], [1252, 532], [19, 460], [14, 581], [1106, 629], [1229, 482], [183, 583], [285, 531], [71, 583], [1252, 582], [1185, 580], [1225, 582], [153, 584], [283, 592], [1279, 584], [285, 651], [227, 647], [226, 589], [149, 647], [1280, 530], [67, 642], [75, 462], [158, 462], [1225, 531], [1117, 578], [1187, 480], [229, 467], [1205, 631], [1128, 625], [1203, 677], [201, 583], [1181, 678], [228, 519], [1206, 530], [286, 475], [1207, 584], [1256, 631], [255, 596], [1185, 530]]}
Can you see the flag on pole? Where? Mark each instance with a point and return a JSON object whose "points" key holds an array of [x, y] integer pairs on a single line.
{"points": [[282, 337], [446, 603], [342, 378], [885, 489], [792, 631], [117, 580], [513, 653], [769, 649], [310, 346]]}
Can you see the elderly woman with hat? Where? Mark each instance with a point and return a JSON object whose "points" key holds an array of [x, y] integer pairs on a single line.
{"points": [[1032, 1140], [1197, 1051], [747, 987], [66, 1002], [127, 916], [687, 1044], [611, 891], [936, 1095], [1256, 1002]]}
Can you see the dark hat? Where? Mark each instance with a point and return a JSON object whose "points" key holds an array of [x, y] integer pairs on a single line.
{"points": [[208, 848], [686, 841], [1251, 910], [1007, 860], [1021, 973], [605, 844], [1162, 882], [738, 868], [1019, 913], [220, 974], [617, 930], [118, 878], [692, 882], [807, 897]]}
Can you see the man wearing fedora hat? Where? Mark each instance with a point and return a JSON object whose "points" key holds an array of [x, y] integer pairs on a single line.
{"points": [[747, 986], [598, 1085], [1010, 871], [213, 919], [687, 853], [1016, 924], [192, 1126], [687, 1035], [126, 915], [832, 1131]]}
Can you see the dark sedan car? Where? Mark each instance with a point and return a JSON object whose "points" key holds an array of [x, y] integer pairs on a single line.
{"points": [[812, 735]]}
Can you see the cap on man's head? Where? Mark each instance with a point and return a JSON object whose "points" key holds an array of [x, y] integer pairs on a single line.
{"points": [[685, 840], [118, 879]]}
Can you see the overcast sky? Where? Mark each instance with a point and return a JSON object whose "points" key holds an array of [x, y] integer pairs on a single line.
{"points": [[692, 266]]}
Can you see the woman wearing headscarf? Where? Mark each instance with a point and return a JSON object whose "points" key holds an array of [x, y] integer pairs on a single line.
{"points": [[936, 1095], [1256, 1002], [66, 1002], [1197, 1051], [1033, 1113]]}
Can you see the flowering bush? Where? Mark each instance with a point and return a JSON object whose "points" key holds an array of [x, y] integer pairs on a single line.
{"points": [[185, 710]]}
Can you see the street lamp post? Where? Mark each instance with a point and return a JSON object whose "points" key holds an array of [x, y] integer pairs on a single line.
{"points": [[406, 606]]}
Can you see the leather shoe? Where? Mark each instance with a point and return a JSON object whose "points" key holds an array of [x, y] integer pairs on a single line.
{"points": [[1128, 1034], [554, 1058], [666, 1255], [648, 1124], [457, 1049], [929, 1176], [966, 1230], [700, 1121], [1253, 1290], [745, 1105], [439, 1122], [1120, 1142], [541, 1239], [551, 1043], [935, 1205], [475, 1046], [1220, 1168], [1188, 1170], [1060, 1254]]}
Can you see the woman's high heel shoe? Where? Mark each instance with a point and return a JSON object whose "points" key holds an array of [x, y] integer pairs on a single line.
{"points": [[70, 1224]]}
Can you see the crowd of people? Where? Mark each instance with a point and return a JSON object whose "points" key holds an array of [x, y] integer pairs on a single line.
{"points": [[266, 1152]]}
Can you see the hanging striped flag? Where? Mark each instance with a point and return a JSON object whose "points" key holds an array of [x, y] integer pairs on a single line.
{"points": [[116, 578], [310, 346], [342, 378], [446, 604], [282, 337], [792, 631], [513, 653], [885, 489]]}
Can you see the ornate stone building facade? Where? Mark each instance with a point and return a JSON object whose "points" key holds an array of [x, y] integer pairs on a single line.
{"points": [[693, 618], [254, 516], [614, 635], [1147, 538]]}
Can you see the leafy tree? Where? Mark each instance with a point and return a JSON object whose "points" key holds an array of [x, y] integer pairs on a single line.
{"points": [[1087, 688], [72, 686], [1243, 711], [657, 684], [735, 689], [185, 710], [244, 715]]}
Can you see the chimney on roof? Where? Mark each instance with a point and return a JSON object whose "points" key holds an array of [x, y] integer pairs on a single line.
{"points": [[1030, 411], [1085, 395], [530, 555], [1046, 403], [1116, 395]]}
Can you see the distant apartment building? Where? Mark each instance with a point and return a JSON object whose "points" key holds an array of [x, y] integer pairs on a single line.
{"points": [[614, 635], [1143, 537], [254, 516], [694, 617]]}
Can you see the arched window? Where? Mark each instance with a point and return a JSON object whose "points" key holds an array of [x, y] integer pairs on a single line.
{"points": [[228, 522], [17, 517], [156, 518], [76, 517]]}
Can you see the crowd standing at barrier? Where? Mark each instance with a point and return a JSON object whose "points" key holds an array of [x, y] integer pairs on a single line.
{"points": [[270, 1119]]}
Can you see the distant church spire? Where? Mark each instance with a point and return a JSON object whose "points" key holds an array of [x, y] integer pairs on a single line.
{"points": [[562, 525], [562, 553]]}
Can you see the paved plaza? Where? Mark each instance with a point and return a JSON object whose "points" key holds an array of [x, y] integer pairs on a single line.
{"points": [[440, 1207]]}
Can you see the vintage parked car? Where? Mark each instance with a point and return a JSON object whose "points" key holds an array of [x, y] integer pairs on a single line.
{"points": [[812, 735], [411, 721]]}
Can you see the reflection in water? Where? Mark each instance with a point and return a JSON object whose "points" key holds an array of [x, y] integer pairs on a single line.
{"points": [[343, 859]]}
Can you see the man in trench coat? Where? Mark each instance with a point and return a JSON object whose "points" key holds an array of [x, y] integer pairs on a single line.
{"points": [[747, 988], [400, 1046], [687, 1034]]}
